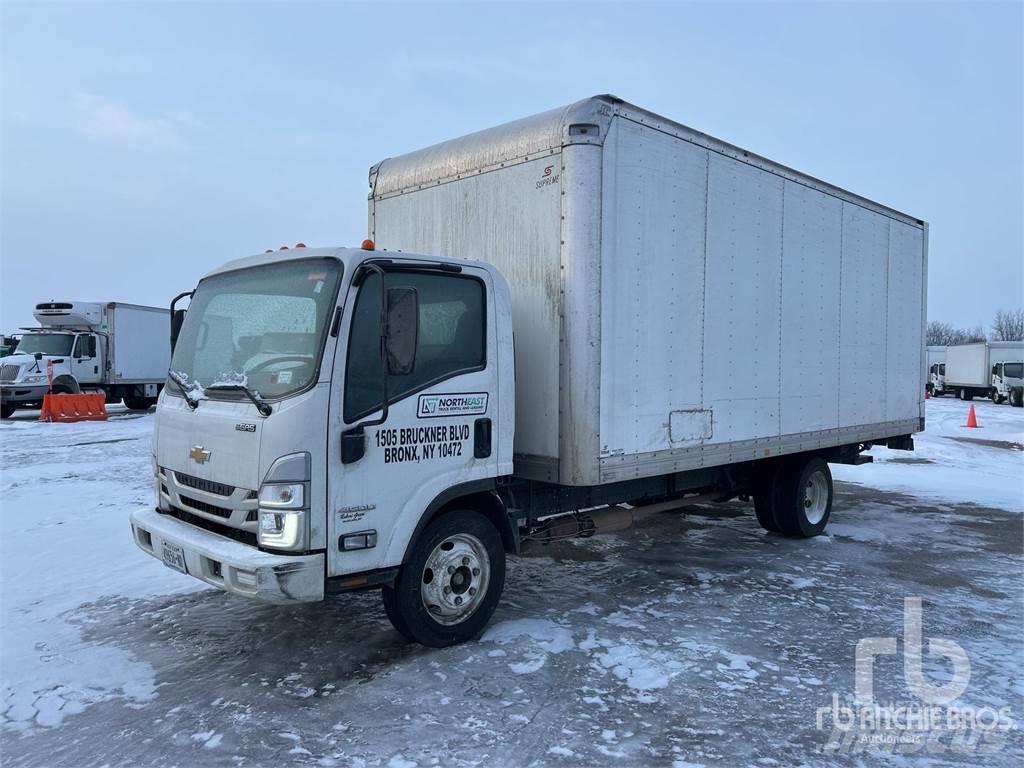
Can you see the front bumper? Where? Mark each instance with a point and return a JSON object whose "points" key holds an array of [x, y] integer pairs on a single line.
{"points": [[232, 565], [22, 393]]}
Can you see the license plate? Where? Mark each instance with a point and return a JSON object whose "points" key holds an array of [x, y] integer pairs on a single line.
{"points": [[174, 557]]}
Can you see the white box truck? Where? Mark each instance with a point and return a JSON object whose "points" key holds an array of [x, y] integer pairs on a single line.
{"points": [[580, 317], [935, 359], [120, 349], [985, 369]]}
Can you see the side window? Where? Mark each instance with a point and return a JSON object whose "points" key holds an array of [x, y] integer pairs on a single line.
{"points": [[942, 369], [85, 346], [452, 337]]}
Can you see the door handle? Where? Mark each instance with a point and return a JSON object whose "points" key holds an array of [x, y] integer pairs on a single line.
{"points": [[482, 438]]}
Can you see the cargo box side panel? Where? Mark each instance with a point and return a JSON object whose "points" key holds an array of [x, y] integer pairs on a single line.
{"points": [[967, 365], [863, 324], [509, 218], [811, 257], [652, 294], [141, 344], [905, 336], [742, 299]]}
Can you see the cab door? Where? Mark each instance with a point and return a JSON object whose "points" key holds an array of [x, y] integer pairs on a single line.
{"points": [[85, 362], [438, 431]]}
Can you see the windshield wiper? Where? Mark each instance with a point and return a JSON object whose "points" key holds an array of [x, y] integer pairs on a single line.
{"points": [[261, 405], [182, 385]]}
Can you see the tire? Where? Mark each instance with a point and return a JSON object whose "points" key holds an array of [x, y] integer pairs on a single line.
{"points": [[459, 553], [7, 410], [996, 399], [966, 394], [803, 497], [139, 403], [1016, 397], [764, 499]]}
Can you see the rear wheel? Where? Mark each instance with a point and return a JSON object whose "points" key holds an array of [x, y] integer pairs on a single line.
{"points": [[966, 394], [448, 590], [764, 499], [803, 497]]}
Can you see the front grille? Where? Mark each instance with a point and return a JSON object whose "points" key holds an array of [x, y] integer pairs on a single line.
{"points": [[9, 372], [202, 506], [220, 489], [209, 525]]}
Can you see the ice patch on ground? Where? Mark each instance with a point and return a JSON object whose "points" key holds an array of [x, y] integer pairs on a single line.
{"points": [[549, 636]]}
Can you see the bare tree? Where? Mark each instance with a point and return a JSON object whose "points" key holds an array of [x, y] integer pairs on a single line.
{"points": [[1008, 325], [939, 334], [943, 334]]}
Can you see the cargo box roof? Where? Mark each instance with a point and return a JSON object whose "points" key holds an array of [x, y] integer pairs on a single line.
{"points": [[546, 133]]}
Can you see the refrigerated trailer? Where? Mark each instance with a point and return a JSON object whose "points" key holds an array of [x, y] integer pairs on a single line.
{"points": [[977, 370], [567, 322]]}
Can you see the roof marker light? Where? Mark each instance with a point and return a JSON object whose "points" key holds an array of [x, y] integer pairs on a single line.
{"points": [[367, 245], [283, 248], [300, 245]]}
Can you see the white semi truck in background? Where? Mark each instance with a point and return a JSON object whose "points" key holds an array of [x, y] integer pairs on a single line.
{"points": [[548, 348], [120, 349], [992, 369]]}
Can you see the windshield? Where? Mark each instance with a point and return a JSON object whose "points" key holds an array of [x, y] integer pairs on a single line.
{"points": [[1013, 370], [263, 327], [56, 344]]}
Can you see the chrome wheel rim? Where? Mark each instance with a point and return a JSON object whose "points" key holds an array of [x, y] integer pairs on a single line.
{"points": [[815, 497], [455, 578]]}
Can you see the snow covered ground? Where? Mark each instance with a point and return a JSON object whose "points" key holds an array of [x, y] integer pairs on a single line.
{"points": [[695, 639]]}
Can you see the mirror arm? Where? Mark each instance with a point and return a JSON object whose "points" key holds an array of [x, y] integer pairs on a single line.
{"points": [[370, 266], [353, 441]]}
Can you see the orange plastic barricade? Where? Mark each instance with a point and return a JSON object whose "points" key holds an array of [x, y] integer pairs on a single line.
{"points": [[67, 408]]}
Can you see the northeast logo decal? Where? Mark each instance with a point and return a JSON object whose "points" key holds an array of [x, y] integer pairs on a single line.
{"points": [[436, 406]]}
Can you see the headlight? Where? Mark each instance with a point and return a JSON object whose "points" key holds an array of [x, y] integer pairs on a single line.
{"points": [[283, 495], [34, 379], [280, 530]]}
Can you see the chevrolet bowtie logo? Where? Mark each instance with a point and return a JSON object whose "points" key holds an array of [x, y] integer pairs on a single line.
{"points": [[199, 454]]}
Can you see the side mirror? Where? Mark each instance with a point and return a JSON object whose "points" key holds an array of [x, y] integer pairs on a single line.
{"points": [[401, 330], [38, 356], [177, 318]]}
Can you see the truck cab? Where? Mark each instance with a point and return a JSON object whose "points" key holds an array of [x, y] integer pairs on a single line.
{"points": [[1007, 382], [70, 357], [324, 409], [937, 379]]}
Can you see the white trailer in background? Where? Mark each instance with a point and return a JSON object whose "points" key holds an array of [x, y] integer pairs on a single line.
{"points": [[935, 359], [691, 322], [120, 349], [977, 370]]}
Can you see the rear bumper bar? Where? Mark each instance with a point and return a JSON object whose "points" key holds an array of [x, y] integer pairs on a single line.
{"points": [[231, 565]]}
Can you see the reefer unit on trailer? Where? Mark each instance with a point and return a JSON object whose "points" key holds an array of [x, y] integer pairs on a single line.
{"points": [[678, 302]]}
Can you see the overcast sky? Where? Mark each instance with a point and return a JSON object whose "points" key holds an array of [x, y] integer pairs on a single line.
{"points": [[144, 144]]}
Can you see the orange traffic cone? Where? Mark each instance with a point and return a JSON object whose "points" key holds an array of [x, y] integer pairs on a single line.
{"points": [[972, 420]]}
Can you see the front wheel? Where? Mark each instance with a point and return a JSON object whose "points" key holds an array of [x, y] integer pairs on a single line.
{"points": [[7, 410], [996, 397], [447, 591], [1017, 397]]}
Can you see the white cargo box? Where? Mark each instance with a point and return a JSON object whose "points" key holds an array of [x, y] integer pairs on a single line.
{"points": [[140, 343], [677, 302], [970, 365]]}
